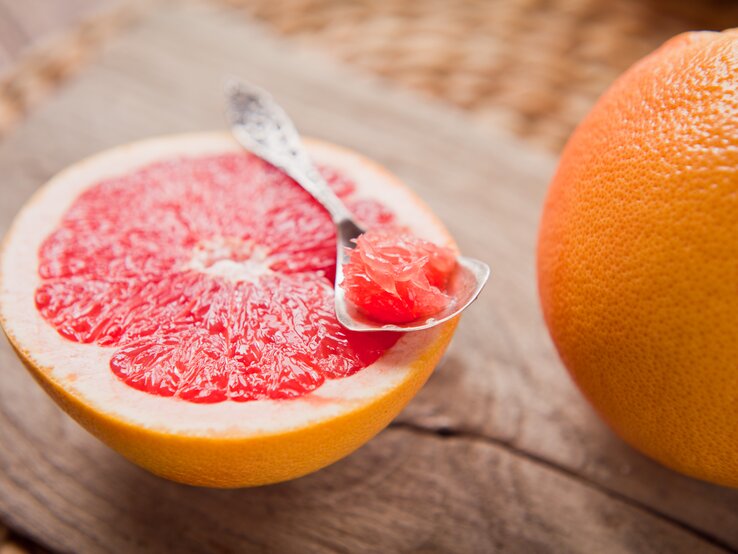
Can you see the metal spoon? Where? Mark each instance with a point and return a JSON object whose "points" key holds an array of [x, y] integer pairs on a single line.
{"points": [[261, 126]]}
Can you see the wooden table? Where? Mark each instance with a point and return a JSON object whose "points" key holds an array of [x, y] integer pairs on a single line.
{"points": [[499, 452], [27, 24]]}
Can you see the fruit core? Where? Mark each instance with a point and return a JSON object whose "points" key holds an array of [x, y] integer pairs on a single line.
{"points": [[393, 276], [209, 278]]}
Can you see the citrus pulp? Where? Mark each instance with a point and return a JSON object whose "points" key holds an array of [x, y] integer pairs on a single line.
{"points": [[174, 296]]}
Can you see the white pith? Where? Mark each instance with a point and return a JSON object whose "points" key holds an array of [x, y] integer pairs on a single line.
{"points": [[83, 369], [211, 258]]}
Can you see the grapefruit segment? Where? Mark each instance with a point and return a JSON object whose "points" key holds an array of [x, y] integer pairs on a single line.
{"points": [[394, 276], [174, 297]]}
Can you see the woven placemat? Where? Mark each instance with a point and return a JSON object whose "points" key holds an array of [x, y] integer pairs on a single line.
{"points": [[531, 66]]}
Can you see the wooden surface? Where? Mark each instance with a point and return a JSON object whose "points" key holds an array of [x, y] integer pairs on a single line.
{"points": [[43, 44], [498, 452], [26, 24]]}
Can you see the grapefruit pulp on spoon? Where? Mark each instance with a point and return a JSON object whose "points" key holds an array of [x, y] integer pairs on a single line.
{"points": [[175, 297], [394, 276]]}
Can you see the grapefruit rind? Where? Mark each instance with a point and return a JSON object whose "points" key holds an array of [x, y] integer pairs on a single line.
{"points": [[227, 444], [638, 259]]}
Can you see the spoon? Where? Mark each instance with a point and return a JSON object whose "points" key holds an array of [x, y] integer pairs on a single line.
{"points": [[261, 126]]}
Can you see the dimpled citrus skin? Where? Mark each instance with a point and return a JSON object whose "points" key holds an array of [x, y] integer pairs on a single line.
{"points": [[638, 256]]}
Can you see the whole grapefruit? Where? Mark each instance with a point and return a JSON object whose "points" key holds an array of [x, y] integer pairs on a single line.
{"points": [[638, 256]]}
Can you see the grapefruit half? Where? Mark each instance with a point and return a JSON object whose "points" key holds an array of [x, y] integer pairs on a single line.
{"points": [[174, 296]]}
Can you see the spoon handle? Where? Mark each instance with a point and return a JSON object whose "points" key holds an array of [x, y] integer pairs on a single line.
{"points": [[261, 126]]}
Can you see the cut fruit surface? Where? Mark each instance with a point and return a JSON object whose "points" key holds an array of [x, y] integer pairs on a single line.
{"points": [[394, 276], [174, 296], [213, 277]]}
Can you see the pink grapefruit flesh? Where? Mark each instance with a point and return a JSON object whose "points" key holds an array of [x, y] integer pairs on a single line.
{"points": [[393, 276], [212, 277]]}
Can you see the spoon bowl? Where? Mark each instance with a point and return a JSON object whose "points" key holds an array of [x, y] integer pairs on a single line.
{"points": [[464, 285]]}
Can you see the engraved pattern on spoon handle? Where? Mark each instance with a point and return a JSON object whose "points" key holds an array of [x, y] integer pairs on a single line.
{"points": [[263, 127]]}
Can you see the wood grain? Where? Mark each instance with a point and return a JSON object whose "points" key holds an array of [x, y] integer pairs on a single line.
{"points": [[499, 451]]}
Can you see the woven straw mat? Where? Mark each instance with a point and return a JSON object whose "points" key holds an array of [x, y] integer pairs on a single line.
{"points": [[531, 66]]}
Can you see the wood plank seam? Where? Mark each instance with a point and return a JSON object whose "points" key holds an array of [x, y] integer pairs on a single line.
{"points": [[445, 433]]}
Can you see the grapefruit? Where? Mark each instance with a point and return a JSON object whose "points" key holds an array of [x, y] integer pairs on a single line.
{"points": [[638, 256], [175, 297]]}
